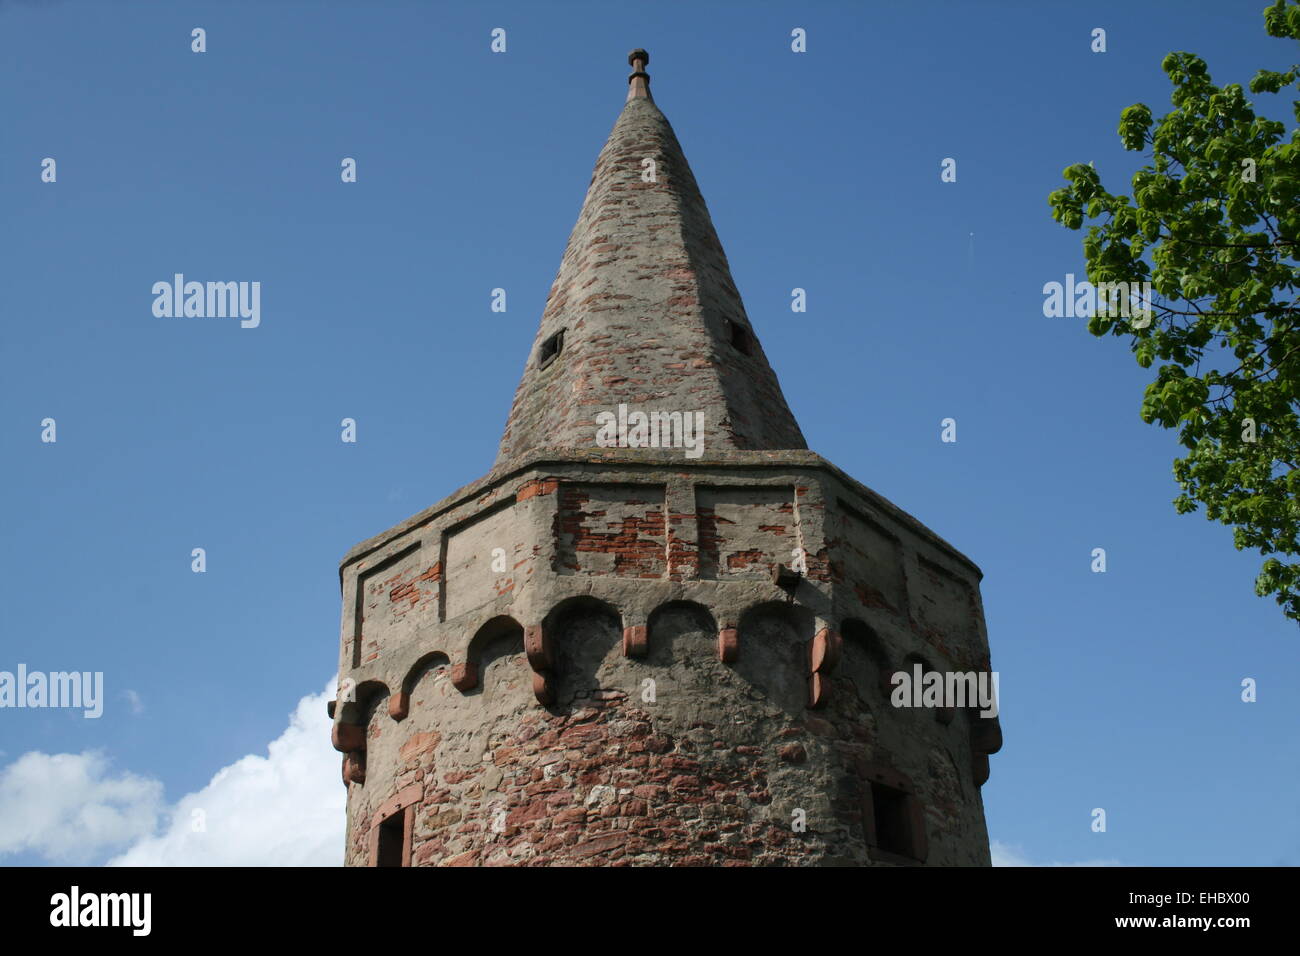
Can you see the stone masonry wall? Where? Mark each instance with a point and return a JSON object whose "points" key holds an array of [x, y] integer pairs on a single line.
{"points": [[734, 737], [711, 770]]}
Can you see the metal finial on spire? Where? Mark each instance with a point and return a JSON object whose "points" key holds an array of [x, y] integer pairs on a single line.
{"points": [[638, 82]]}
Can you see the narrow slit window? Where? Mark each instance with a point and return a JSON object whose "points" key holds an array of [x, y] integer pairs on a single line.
{"points": [[892, 821], [392, 840], [550, 349]]}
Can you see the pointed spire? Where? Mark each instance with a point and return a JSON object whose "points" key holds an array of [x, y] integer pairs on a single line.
{"points": [[638, 81], [644, 313]]}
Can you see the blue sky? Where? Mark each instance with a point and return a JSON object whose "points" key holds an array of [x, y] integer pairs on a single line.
{"points": [[821, 170]]}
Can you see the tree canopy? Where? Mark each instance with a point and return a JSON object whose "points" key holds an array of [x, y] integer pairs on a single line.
{"points": [[1212, 224]]}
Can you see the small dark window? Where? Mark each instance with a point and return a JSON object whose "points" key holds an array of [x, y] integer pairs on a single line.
{"points": [[738, 337], [891, 813], [392, 840], [550, 349]]}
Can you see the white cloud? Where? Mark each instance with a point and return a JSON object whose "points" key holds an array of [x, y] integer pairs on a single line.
{"points": [[135, 702], [282, 809], [1004, 855], [69, 808]]}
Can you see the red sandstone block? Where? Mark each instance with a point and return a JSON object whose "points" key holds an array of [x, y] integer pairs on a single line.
{"points": [[819, 691], [602, 844], [347, 738], [425, 853], [635, 641], [827, 647], [420, 744], [728, 645], [582, 733], [464, 676], [399, 705], [504, 755], [543, 689], [354, 771], [538, 648], [675, 762], [527, 813]]}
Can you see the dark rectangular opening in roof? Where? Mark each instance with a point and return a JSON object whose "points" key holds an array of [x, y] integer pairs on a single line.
{"points": [[550, 348], [739, 337]]}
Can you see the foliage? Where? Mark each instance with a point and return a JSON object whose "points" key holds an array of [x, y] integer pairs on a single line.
{"points": [[1212, 224]]}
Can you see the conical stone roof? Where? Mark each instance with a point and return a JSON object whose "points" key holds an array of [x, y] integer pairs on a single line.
{"points": [[644, 312]]}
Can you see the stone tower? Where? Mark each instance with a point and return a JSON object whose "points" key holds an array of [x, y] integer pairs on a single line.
{"points": [[660, 630]]}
